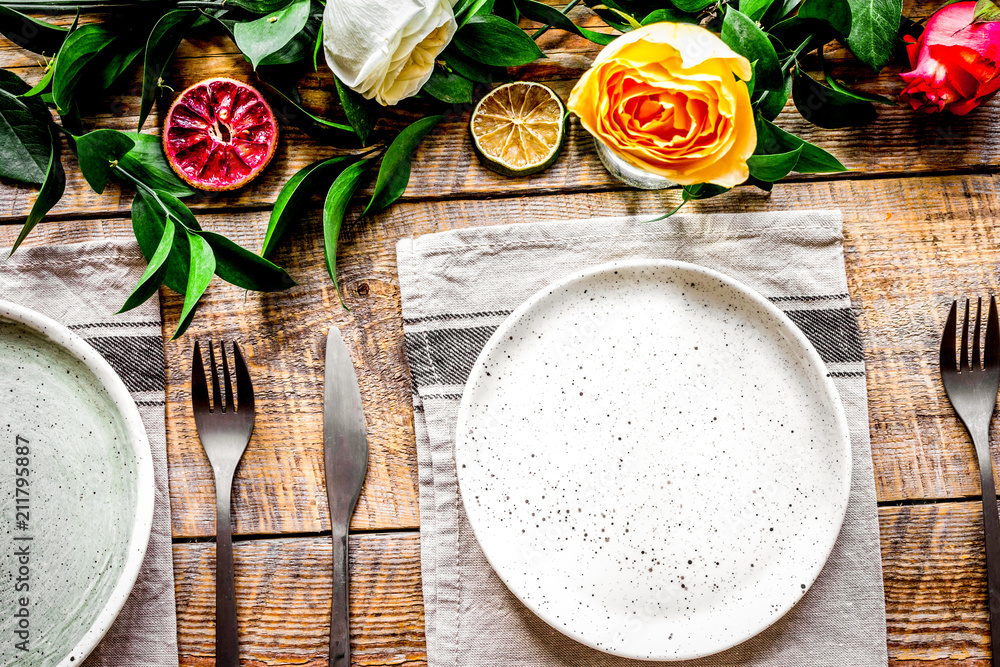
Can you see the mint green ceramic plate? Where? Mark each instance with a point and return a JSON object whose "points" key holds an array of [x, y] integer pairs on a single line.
{"points": [[76, 492]]}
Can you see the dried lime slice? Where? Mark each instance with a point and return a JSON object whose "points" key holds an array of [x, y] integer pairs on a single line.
{"points": [[519, 128]]}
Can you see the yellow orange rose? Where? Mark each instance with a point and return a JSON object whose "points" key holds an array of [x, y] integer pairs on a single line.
{"points": [[668, 98]]}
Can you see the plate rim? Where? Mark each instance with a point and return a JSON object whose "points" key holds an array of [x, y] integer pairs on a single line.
{"points": [[789, 327], [142, 524]]}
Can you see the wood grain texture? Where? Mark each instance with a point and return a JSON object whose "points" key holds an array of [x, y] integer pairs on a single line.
{"points": [[912, 245], [283, 601], [444, 165], [934, 569]]}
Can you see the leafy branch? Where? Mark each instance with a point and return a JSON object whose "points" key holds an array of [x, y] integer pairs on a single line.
{"points": [[281, 39]]}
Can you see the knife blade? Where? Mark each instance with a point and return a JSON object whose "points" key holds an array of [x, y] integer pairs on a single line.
{"points": [[345, 455]]}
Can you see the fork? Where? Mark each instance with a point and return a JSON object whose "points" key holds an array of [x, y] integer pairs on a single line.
{"points": [[224, 431], [973, 393]]}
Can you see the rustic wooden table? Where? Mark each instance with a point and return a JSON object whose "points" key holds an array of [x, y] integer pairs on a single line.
{"points": [[919, 210]]}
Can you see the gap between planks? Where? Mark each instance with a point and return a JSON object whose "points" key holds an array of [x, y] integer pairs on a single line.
{"points": [[542, 192]]}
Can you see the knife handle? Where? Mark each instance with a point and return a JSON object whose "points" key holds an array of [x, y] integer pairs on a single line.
{"points": [[340, 630]]}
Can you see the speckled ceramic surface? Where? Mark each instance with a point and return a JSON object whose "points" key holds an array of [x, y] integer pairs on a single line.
{"points": [[77, 492], [653, 459]]}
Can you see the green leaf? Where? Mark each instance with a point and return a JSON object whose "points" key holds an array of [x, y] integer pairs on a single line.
{"points": [[770, 168], [116, 66], [771, 102], [987, 11], [473, 69], [51, 192], [25, 140], [82, 47], [496, 41], [156, 269], [98, 153], [836, 13], [449, 87], [317, 46], [362, 114], [238, 266], [703, 191], [177, 209], [295, 194], [289, 111], [334, 209], [202, 268], [473, 8], [394, 172], [781, 10], [613, 14], [668, 14], [160, 47], [147, 163], [856, 94], [461, 7], [829, 108], [766, 186], [149, 220], [302, 45], [29, 33], [772, 140], [259, 39], [743, 36], [537, 11], [754, 9], [259, 6], [692, 6], [874, 24], [43, 83]]}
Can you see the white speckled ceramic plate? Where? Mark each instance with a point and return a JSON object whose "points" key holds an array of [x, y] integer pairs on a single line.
{"points": [[653, 459], [76, 487]]}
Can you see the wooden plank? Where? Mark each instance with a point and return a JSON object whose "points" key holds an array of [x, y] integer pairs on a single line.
{"points": [[912, 245], [283, 601], [445, 167], [934, 569]]}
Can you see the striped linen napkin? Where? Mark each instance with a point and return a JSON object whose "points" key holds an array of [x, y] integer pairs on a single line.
{"points": [[81, 286], [458, 286]]}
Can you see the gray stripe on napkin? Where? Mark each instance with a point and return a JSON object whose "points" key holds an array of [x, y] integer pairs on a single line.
{"points": [[458, 286], [82, 285]]}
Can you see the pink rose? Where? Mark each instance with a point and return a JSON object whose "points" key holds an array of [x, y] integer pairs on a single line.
{"points": [[955, 62]]}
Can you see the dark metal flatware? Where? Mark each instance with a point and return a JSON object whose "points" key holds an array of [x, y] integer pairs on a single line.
{"points": [[224, 429], [972, 390], [345, 453]]}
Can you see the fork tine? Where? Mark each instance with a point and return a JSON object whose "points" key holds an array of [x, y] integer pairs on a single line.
{"points": [[216, 393], [243, 383], [963, 360], [947, 358], [991, 355], [229, 407], [199, 388], [975, 334]]}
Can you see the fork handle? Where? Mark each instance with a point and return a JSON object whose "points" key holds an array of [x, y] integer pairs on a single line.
{"points": [[991, 527], [227, 648]]}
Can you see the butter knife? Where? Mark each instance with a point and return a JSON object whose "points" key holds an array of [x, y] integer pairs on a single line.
{"points": [[345, 454]]}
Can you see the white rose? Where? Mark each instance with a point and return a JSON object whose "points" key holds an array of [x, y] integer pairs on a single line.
{"points": [[385, 49]]}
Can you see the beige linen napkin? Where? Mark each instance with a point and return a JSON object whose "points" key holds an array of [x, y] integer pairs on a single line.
{"points": [[81, 286], [458, 286]]}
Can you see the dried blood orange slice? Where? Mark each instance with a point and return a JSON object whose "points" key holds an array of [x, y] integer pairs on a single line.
{"points": [[219, 134]]}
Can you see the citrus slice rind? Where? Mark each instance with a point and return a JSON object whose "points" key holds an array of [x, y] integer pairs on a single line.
{"points": [[219, 134], [518, 128]]}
